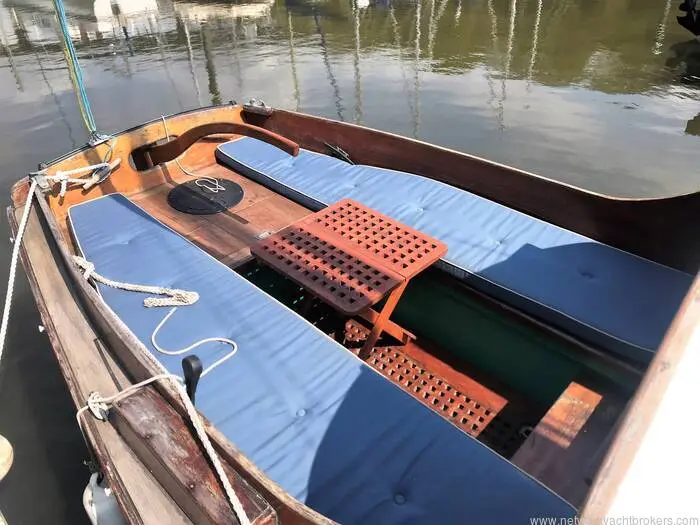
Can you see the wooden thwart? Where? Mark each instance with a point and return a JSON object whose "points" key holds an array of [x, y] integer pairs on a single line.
{"points": [[562, 448]]}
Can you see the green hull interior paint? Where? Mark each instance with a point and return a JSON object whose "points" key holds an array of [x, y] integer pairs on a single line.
{"points": [[534, 364]]}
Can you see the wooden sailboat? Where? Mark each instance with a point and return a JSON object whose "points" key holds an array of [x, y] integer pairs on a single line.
{"points": [[403, 333]]}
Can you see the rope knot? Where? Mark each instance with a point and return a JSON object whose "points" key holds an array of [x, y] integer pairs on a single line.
{"points": [[97, 406], [87, 266]]}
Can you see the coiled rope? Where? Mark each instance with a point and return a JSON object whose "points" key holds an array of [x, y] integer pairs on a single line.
{"points": [[175, 297]]}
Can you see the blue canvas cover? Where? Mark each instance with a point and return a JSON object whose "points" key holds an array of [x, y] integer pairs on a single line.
{"points": [[326, 427], [601, 294]]}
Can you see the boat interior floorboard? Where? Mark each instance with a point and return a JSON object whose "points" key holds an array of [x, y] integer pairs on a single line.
{"points": [[501, 416], [227, 235]]}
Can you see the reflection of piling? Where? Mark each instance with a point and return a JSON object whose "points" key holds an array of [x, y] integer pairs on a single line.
{"points": [[327, 63], [21, 33], [495, 52], [506, 69], [509, 48], [10, 57], [397, 45], [356, 64], [236, 56], [293, 62], [209, 64], [535, 38], [661, 31], [190, 59], [433, 27], [156, 32], [416, 79], [62, 114]]}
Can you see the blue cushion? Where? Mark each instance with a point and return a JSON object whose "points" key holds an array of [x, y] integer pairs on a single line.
{"points": [[606, 296], [323, 425]]}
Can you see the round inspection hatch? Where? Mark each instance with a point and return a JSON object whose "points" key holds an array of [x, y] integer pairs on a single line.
{"points": [[199, 199]]}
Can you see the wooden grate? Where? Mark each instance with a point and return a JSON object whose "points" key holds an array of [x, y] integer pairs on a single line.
{"points": [[501, 431], [399, 247], [349, 255], [469, 414], [329, 271]]}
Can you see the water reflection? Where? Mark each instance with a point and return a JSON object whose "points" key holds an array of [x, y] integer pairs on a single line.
{"points": [[539, 84]]}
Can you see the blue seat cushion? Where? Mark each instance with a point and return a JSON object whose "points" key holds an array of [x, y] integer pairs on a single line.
{"points": [[611, 298], [327, 428]]}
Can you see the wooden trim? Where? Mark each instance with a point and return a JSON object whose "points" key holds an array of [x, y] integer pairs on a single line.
{"points": [[176, 147], [162, 439], [565, 446], [643, 408]]}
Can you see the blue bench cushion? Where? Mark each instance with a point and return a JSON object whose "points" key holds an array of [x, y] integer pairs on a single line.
{"points": [[327, 428], [616, 300]]}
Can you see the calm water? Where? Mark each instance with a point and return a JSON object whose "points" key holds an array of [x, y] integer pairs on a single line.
{"points": [[597, 93]]}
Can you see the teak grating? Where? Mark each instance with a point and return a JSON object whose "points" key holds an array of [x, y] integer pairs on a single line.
{"points": [[349, 255]]}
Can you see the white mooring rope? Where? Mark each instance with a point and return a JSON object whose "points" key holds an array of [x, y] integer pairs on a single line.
{"points": [[14, 260], [64, 177], [176, 297], [97, 404]]}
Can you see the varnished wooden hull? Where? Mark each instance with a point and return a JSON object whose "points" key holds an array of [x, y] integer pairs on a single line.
{"points": [[657, 229]]}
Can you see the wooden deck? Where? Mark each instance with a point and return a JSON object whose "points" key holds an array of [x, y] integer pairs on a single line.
{"points": [[227, 236]]}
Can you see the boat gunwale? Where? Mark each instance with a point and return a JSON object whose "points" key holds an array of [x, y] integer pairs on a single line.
{"points": [[471, 156]]}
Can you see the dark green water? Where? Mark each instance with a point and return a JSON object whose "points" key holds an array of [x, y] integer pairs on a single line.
{"points": [[597, 93]]}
